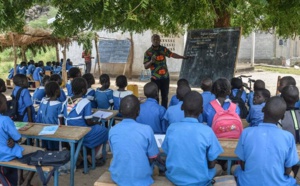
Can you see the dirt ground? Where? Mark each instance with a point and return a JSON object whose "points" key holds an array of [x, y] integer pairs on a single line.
{"points": [[81, 179]]}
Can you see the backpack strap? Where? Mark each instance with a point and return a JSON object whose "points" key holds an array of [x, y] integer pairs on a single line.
{"points": [[218, 108], [44, 179], [296, 125], [239, 94]]}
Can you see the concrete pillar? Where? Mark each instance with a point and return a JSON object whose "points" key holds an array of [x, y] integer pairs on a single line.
{"points": [[253, 49]]}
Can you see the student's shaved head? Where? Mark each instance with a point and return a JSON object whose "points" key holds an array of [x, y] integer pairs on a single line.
{"points": [[182, 91], [130, 107], [259, 84], [206, 84], [151, 90], [274, 109], [290, 94], [192, 104]]}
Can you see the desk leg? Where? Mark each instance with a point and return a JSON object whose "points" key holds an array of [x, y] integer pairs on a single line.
{"points": [[110, 123], [72, 167], [229, 162], [56, 177]]}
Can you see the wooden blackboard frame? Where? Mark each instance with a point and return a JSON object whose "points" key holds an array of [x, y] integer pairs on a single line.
{"points": [[214, 54]]}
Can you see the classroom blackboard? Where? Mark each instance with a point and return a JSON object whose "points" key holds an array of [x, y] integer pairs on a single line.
{"points": [[213, 54], [114, 51]]}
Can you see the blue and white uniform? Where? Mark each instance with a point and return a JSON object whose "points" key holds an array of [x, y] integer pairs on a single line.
{"points": [[62, 97], [69, 88], [90, 95], [38, 94], [24, 101], [37, 74], [21, 69], [117, 97], [174, 100], [256, 115], [104, 98], [30, 69], [207, 97]]}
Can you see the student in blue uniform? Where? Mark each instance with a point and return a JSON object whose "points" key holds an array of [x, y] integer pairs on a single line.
{"points": [[133, 147], [2, 86], [39, 92], [286, 81], [55, 77], [30, 69], [151, 113], [38, 72], [256, 114], [104, 95], [50, 111], [121, 83], [48, 66], [236, 86], [73, 73], [90, 94], [22, 68], [270, 162], [174, 100], [174, 113], [207, 96], [69, 64], [56, 69], [9, 150], [221, 88], [25, 105], [11, 73], [77, 111], [258, 84], [191, 163]]}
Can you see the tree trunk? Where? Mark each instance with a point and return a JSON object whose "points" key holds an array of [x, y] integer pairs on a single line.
{"points": [[131, 56], [64, 65], [23, 50], [15, 55], [223, 19], [97, 54], [57, 52]]}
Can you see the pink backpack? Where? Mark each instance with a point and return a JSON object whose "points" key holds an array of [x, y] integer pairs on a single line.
{"points": [[226, 123]]}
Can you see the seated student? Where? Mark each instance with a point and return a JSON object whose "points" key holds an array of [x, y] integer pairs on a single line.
{"points": [[90, 92], [286, 81], [236, 87], [69, 64], [256, 114], [191, 163], [9, 150], [270, 162], [174, 113], [174, 100], [151, 113], [58, 80], [48, 66], [258, 84], [121, 83], [56, 69], [2, 86], [77, 111], [11, 73], [73, 73], [30, 69], [50, 112], [39, 92], [104, 95], [207, 96], [25, 105], [22, 68], [221, 88], [133, 147], [39, 72]]}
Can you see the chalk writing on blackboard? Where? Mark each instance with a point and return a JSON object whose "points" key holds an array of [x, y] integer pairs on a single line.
{"points": [[114, 51], [212, 54]]}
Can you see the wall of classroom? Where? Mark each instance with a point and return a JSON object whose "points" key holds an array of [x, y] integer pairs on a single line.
{"points": [[268, 48]]}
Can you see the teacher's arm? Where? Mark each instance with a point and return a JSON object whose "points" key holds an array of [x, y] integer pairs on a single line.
{"points": [[149, 63], [177, 56]]}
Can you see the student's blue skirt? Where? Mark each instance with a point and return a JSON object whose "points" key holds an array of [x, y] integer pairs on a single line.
{"points": [[97, 136]]}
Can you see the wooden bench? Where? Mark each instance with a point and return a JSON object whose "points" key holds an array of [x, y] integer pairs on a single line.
{"points": [[18, 165], [105, 180], [33, 85], [9, 84]]}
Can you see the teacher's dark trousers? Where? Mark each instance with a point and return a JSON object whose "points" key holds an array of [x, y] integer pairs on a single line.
{"points": [[163, 88]]}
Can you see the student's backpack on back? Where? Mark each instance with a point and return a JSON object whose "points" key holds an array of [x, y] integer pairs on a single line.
{"points": [[291, 123], [12, 106], [240, 103], [226, 123]]}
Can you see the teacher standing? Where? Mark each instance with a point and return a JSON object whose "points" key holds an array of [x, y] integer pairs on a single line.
{"points": [[155, 59]]}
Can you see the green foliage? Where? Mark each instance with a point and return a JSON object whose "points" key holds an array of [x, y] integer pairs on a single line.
{"points": [[41, 22], [86, 39]]}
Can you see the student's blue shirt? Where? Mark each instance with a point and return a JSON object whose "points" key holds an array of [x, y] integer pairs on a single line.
{"points": [[117, 97], [151, 113], [132, 144], [36, 74], [77, 116], [244, 95], [104, 98], [30, 69], [62, 96], [255, 115], [24, 102], [175, 114], [297, 104], [11, 73], [56, 70], [68, 66], [47, 68], [69, 88], [250, 99], [38, 95], [266, 151], [8, 130], [21, 70], [189, 146], [49, 112], [174, 100], [90, 95], [209, 112], [207, 97]]}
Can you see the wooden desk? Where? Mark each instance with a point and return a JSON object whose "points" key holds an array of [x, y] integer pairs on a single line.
{"points": [[69, 134]]}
